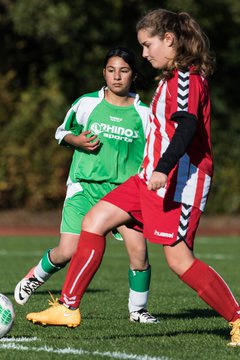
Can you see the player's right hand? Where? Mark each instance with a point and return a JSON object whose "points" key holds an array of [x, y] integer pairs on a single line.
{"points": [[86, 142], [157, 180]]}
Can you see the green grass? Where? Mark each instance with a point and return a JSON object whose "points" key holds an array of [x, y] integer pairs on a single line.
{"points": [[187, 328]]}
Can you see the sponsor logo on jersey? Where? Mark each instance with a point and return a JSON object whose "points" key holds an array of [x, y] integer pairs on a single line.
{"points": [[114, 132], [114, 118], [163, 234]]}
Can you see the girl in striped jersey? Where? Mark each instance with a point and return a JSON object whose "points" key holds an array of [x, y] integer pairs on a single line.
{"points": [[167, 198]]}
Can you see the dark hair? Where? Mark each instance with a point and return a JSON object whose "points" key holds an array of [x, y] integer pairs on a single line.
{"points": [[192, 45]]}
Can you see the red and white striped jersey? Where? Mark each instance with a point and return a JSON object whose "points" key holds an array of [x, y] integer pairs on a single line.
{"points": [[189, 181]]}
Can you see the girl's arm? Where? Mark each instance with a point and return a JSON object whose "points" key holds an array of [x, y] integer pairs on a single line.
{"points": [[185, 131]]}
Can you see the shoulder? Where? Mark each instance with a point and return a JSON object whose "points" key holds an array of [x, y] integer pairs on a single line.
{"points": [[200, 82], [143, 110], [192, 74], [183, 79], [138, 102], [92, 95], [142, 104], [88, 98]]}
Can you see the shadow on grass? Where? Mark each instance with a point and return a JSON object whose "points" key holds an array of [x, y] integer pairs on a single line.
{"points": [[165, 328], [58, 292], [189, 314], [221, 332], [184, 315]]}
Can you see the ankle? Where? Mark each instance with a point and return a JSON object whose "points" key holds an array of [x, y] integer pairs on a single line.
{"points": [[67, 306]]}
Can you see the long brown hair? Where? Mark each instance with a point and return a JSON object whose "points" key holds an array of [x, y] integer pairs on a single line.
{"points": [[191, 43]]}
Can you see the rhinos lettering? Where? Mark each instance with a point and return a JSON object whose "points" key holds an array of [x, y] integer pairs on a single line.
{"points": [[114, 132], [96, 128]]}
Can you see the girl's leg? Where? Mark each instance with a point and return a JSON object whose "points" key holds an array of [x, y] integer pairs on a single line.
{"points": [[210, 287], [136, 247], [139, 275], [97, 223], [51, 262]]}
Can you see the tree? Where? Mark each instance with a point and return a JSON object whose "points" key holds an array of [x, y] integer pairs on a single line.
{"points": [[52, 52]]}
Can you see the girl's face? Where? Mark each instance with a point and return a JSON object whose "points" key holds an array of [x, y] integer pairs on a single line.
{"points": [[118, 76], [159, 53]]}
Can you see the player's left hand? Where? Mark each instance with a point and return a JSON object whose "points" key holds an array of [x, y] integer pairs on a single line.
{"points": [[157, 180]]}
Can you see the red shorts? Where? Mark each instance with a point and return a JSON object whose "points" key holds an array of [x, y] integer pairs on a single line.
{"points": [[162, 220]]}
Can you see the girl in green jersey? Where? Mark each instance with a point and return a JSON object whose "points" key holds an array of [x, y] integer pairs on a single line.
{"points": [[107, 130]]}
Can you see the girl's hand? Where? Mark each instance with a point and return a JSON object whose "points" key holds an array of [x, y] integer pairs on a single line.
{"points": [[83, 141], [157, 180]]}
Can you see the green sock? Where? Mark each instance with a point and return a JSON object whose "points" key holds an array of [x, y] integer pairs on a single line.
{"points": [[46, 268], [139, 282]]}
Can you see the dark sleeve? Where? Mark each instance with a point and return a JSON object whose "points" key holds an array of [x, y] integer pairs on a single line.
{"points": [[185, 131]]}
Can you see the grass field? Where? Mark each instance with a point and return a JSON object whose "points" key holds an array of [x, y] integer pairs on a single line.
{"points": [[188, 329]]}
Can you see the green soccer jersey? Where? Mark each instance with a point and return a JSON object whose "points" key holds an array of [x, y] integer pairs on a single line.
{"points": [[122, 133]]}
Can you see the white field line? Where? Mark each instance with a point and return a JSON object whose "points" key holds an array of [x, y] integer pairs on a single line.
{"points": [[17, 339], [115, 255], [217, 240], [70, 351], [216, 256]]}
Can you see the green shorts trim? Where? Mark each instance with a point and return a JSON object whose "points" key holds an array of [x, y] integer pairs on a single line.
{"points": [[76, 206]]}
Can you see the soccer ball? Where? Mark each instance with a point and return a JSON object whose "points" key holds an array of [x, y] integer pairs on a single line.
{"points": [[6, 315]]}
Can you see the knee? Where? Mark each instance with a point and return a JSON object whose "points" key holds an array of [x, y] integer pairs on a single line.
{"points": [[178, 265], [173, 264], [87, 222], [179, 257], [95, 223]]}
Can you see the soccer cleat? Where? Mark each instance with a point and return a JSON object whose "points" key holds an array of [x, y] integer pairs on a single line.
{"points": [[26, 287], [235, 333], [57, 314], [117, 235], [143, 316]]}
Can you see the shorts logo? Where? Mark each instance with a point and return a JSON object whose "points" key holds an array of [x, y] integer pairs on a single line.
{"points": [[163, 234]]}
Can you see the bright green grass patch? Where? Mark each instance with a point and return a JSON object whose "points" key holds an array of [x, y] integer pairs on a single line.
{"points": [[187, 328]]}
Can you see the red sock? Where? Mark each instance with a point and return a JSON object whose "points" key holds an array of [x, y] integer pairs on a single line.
{"points": [[212, 289], [82, 268]]}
